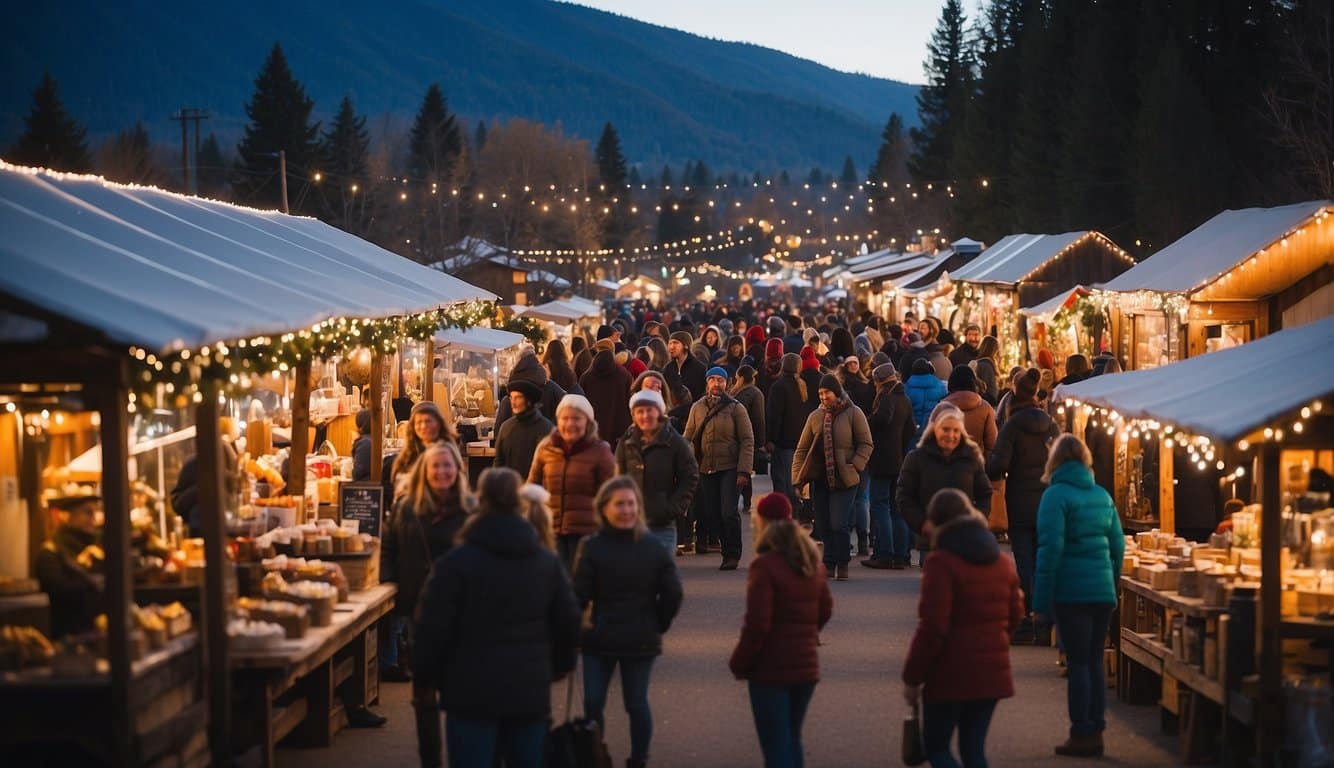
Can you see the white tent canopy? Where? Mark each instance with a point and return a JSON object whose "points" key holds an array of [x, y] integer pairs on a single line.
{"points": [[167, 271], [1053, 305], [1013, 257], [478, 339], [564, 310], [910, 262], [1214, 247], [1227, 394]]}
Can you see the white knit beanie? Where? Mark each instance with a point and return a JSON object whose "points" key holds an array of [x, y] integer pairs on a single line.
{"points": [[648, 397], [577, 402]]}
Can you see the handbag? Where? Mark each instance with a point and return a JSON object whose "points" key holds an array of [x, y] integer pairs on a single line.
{"points": [[913, 751], [577, 742]]}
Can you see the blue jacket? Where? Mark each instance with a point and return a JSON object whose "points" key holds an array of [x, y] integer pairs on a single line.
{"points": [[925, 391], [1080, 543]]}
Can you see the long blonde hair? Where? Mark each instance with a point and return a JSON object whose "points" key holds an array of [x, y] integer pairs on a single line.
{"points": [[790, 541], [421, 498], [1066, 448]]}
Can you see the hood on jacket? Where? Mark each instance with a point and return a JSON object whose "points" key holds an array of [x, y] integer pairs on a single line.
{"points": [[1029, 418], [964, 400], [925, 381], [503, 534], [604, 363], [529, 368], [969, 538], [1073, 473]]}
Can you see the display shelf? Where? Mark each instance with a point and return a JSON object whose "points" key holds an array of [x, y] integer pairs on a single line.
{"points": [[1307, 628], [1194, 679], [1144, 650], [1187, 606], [151, 661]]}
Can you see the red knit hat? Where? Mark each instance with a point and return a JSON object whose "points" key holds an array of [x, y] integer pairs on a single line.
{"points": [[809, 362], [773, 349], [774, 506], [1046, 360], [754, 336]]}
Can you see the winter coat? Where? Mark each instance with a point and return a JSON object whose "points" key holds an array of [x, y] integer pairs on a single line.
{"points": [[665, 470], [517, 440], [412, 543], [988, 379], [911, 355], [1019, 459], [852, 447], [607, 387], [963, 355], [531, 369], [1080, 543], [498, 623], [925, 391], [572, 475], [75, 593], [361, 459], [970, 606], [979, 418], [726, 441], [892, 429], [927, 470], [941, 363], [634, 588], [752, 399], [780, 635], [787, 412], [689, 372], [860, 392]]}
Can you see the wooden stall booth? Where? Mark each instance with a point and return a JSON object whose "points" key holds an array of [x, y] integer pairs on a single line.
{"points": [[473, 364], [1234, 278], [1232, 632], [1068, 323], [568, 317]]}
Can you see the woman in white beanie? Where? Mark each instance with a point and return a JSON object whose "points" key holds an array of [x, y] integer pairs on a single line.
{"points": [[662, 464], [572, 463]]}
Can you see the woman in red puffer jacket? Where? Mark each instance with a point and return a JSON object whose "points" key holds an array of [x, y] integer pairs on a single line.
{"points": [[959, 661]]}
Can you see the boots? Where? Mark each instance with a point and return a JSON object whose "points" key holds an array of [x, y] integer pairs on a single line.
{"points": [[630, 762], [430, 744], [1086, 745]]}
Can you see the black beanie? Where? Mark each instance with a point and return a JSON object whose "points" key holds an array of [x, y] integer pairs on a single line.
{"points": [[922, 365], [962, 379], [830, 382], [1026, 387]]}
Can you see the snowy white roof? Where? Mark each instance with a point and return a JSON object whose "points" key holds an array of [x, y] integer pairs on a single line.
{"points": [[564, 310], [1050, 306], [1214, 247], [1013, 257], [166, 271], [1226, 394], [884, 261], [912, 263], [905, 284], [863, 258], [477, 339], [550, 278]]}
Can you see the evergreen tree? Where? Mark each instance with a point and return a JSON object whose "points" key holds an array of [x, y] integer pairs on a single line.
{"points": [[849, 175], [665, 179], [479, 136], [345, 149], [211, 168], [687, 174], [635, 180], [279, 115], [701, 178], [886, 178], [784, 180], [940, 102], [51, 137], [127, 157], [815, 177], [435, 143], [611, 162]]}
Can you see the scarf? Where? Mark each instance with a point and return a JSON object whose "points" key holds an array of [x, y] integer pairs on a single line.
{"points": [[830, 414]]}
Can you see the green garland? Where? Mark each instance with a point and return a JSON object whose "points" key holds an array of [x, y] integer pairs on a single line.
{"points": [[532, 329]]}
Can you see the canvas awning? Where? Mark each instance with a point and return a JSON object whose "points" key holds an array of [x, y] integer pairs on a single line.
{"points": [[563, 311], [901, 266], [1053, 305], [1228, 394], [167, 271], [477, 339], [1015, 256]]}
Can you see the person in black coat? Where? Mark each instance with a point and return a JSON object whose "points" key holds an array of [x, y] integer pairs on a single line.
{"points": [[787, 404], [361, 447], [607, 387], [635, 592], [892, 430], [497, 625], [529, 368], [1020, 458], [945, 457], [684, 367], [517, 439], [662, 462]]}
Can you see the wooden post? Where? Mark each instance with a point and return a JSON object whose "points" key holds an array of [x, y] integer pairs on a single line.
{"points": [[377, 416], [428, 371], [1270, 706], [208, 465], [110, 396], [296, 473], [1167, 508], [1121, 470]]}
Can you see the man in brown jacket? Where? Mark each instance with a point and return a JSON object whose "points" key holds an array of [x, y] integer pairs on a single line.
{"points": [[719, 429]]}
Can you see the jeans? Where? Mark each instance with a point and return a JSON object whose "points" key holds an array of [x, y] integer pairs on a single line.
{"points": [[667, 535], [972, 718], [394, 628], [567, 546], [779, 711], [891, 530], [1083, 628], [833, 517], [634, 694], [718, 514], [475, 743], [862, 507], [780, 470], [1024, 544]]}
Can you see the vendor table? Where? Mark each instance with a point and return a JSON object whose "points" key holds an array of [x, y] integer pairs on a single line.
{"points": [[291, 688], [480, 458], [33, 610]]}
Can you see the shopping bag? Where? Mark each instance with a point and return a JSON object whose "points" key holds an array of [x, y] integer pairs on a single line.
{"points": [[998, 520], [577, 742], [913, 751]]}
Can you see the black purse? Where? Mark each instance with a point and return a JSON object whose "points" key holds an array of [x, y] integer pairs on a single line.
{"points": [[914, 753], [577, 742]]}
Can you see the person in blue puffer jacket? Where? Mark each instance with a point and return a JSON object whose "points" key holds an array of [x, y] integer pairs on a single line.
{"points": [[1080, 547], [925, 390]]}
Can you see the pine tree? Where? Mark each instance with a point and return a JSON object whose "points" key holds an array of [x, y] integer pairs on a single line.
{"points": [[687, 173], [635, 180], [886, 178], [435, 143], [127, 157], [51, 137], [940, 103], [784, 180], [665, 178], [815, 177], [211, 168], [279, 115], [849, 175], [345, 149], [701, 178], [479, 136], [611, 162]]}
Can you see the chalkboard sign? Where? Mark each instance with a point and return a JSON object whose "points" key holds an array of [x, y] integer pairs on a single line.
{"points": [[363, 502]]}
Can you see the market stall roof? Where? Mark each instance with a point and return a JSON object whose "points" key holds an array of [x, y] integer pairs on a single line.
{"points": [[1216, 246], [863, 258], [868, 269], [1054, 304], [563, 311], [1228, 394], [902, 266], [1014, 257], [167, 271], [607, 285], [478, 339], [548, 278], [924, 279]]}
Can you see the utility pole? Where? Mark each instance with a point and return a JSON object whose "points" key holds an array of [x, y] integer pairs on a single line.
{"points": [[282, 177], [184, 115]]}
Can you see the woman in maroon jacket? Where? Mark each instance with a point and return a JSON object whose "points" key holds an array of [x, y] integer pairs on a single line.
{"points": [[959, 661], [787, 603]]}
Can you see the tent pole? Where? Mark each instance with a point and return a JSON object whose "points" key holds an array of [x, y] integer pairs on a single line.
{"points": [[377, 416], [1270, 706], [111, 392], [208, 460], [296, 475]]}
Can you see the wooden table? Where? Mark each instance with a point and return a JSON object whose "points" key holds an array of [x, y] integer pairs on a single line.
{"points": [[291, 688], [32, 610]]}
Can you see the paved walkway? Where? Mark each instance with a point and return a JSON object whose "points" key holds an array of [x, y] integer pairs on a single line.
{"points": [[702, 716]]}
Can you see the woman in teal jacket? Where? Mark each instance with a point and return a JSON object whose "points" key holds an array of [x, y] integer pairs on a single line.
{"points": [[1080, 546]]}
